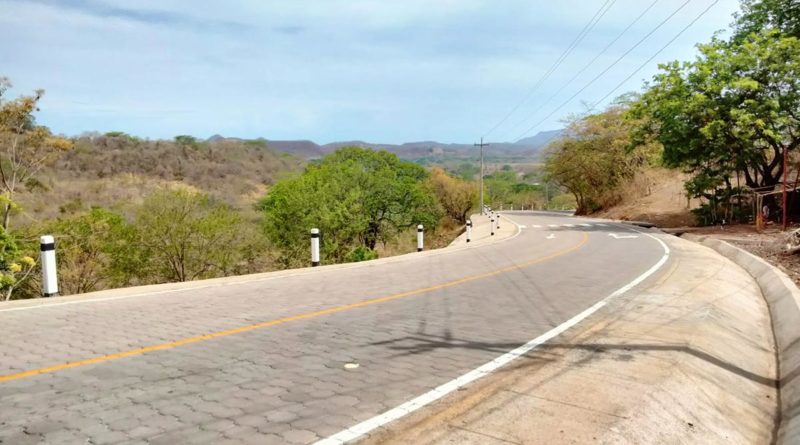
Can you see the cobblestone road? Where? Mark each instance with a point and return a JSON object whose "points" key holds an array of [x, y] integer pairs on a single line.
{"points": [[271, 368]]}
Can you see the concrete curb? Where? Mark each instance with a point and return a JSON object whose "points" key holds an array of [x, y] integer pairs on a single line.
{"points": [[783, 298]]}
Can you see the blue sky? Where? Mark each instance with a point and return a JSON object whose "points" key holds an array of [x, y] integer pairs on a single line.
{"points": [[330, 70]]}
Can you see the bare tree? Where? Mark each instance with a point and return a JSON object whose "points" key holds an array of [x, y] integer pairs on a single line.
{"points": [[25, 147]]}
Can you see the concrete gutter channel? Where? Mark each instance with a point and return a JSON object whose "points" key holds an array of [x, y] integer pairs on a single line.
{"points": [[783, 300]]}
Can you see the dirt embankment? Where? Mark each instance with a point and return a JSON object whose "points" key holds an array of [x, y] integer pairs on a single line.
{"points": [[769, 244], [657, 196]]}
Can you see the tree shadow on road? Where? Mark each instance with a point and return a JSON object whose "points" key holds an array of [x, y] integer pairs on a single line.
{"points": [[425, 343]]}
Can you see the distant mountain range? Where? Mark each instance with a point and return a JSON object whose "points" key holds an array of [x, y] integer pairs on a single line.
{"points": [[527, 147]]}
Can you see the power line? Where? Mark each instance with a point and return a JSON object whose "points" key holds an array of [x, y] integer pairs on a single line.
{"points": [[657, 53], [607, 69], [581, 35], [585, 67]]}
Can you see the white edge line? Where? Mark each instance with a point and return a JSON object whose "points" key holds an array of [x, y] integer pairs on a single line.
{"points": [[437, 393]]}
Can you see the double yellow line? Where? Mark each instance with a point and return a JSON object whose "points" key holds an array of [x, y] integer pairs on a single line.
{"points": [[266, 324]]}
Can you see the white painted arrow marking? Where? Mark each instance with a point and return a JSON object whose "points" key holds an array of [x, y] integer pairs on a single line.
{"points": [[537, 226], [585, 225], [551, 236], [552, 225], [622, 236]]}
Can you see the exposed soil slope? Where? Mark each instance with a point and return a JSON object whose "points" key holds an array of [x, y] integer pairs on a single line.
{"points": [[657, 196]]}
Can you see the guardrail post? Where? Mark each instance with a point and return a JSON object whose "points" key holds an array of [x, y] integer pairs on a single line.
{"points": [[48, 261], [469, 230], [314, 247], [420, 237]]}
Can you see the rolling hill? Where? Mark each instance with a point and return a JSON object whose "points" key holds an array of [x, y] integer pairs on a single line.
{"points": [[529, 147]]}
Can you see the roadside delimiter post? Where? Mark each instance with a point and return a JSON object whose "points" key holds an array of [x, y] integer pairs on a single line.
{"points": [[491, 224], [420, 236], [314, 247], [498, 221], [48, 261], [469, 229]]}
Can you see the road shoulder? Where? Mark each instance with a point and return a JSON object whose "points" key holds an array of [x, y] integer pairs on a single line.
{"points": [[688, 359]]}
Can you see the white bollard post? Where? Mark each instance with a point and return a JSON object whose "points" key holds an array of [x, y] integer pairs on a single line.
{"points": [[469, 230], [498, 221], [420, 240], [48, 261], [491, 225], [314, 247]]}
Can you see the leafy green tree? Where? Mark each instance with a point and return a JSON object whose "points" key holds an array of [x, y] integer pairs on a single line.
{"points": [[759, 15], [25, 147], [357, 198], [186, 235], [468, 171], [186, 140], [728, 114]]}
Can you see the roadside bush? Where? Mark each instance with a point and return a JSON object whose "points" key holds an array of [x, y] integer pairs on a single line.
{"points": [[186, 235], [15, 266], [356, 197], [95, 250]]}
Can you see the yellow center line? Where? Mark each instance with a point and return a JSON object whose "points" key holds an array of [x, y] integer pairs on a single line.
{"points": [[265, 324]]}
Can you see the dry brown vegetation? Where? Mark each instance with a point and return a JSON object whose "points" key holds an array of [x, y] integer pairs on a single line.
{"points": [[656, 195], [117, 169]]}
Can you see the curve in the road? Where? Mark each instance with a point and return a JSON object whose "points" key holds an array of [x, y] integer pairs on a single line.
{"points": [[147, 368], [269, 323], [355, 432]]}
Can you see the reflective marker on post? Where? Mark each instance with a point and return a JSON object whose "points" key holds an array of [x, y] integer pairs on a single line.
{"points": [[314, 247], [469, 230], [419, 238], [491, 224], [48, 260]]}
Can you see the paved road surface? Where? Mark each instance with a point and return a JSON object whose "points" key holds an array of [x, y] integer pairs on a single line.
{"points": [[263, 362]]}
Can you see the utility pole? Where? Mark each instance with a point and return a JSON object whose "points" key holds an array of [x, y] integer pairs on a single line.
{"points": [[481, 145]]}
